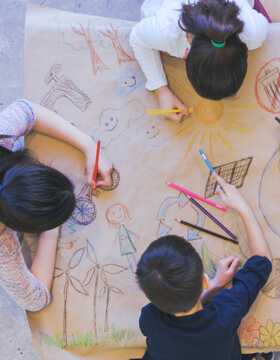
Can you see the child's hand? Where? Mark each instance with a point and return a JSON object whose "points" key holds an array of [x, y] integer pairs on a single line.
{"points": [[230, 195], [167, 100], [225, 271], [105, 166]]}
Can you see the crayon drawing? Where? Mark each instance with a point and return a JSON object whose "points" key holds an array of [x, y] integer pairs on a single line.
{"points": [[272, 287], [93, 276], [114, 122], [112, 34], [148, 136], [129, 81], [116, 216], [270, 179], [212, 120], [267, 86], [85, 210], [115, 176], [75, 283], [174, 207], [234, 173], [63, 87], [249, 330], [97, 63]]}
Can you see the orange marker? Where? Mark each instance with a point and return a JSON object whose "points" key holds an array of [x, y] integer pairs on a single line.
{"points": [[96, 164]]}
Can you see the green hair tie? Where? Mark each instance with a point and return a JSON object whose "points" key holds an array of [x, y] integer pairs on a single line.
{"points": [[218, 45]]}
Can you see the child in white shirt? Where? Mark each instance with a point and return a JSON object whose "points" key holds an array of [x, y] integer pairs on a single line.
{"points": [[214, 37]]}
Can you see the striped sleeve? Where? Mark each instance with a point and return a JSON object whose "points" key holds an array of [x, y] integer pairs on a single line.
{"points": [[16, 120], [17, 280]]}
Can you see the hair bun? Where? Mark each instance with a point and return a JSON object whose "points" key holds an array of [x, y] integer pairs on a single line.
{"points": [[215, 19]]}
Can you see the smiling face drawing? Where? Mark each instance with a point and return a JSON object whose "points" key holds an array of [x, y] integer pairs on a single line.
{"points": [[116, 214], [149, 130], [114, 122], [130, 82], [110, 123]]}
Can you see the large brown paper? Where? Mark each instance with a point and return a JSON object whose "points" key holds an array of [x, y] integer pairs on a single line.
{"points": [[83, 68]]}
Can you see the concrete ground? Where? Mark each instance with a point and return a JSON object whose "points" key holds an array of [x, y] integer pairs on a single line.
{"points": [[15, 337]]}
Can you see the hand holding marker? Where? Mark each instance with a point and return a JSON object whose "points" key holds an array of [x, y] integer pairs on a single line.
{"points": [[209, 165]]}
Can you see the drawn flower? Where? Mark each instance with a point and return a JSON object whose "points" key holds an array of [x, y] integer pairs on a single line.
{"points": [[270, 334], [249, 330]]}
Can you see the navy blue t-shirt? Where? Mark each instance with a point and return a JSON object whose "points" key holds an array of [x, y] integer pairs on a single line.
{"points": [[210, 333]]}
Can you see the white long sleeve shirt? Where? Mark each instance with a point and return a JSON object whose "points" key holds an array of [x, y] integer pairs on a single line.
{"points": [[159, 31]]}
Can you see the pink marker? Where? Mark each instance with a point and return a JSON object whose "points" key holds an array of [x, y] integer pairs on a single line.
{"points": [[197, 196]]}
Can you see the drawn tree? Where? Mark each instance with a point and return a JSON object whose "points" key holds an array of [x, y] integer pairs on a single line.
{"points": [[106, 289], [113, 35], [95, 272], [97, 63], [73, 281]]}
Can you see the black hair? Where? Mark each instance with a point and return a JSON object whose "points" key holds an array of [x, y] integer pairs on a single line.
{"points": [[170, 273], [214, 72], [34, 197]]}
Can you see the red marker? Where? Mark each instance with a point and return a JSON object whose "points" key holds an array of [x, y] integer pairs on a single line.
{"points": [[96, 164]]}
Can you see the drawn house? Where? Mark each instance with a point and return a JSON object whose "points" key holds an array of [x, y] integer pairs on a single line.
{"points": [[64, 87]]}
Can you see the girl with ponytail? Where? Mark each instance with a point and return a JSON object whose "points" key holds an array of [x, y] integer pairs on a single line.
{"points": [[35, 198], [214, 37]]}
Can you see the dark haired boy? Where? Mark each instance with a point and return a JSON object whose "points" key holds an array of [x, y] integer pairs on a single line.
{"points": [[180, 322]]}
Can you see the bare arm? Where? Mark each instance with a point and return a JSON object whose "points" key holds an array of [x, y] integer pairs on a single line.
{"points": [[43, 264], [51, 124], [233, 198]]}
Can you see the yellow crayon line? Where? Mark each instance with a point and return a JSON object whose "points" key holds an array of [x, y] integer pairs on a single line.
{"points": [[248, 106], [225, 142], [192, 142], [240, 128]]}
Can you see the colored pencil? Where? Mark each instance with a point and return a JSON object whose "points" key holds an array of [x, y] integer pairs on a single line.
{"points": [[277, 119], [206, 231], [208, 164], [196, 196], [96, 163], [211, 217], [152, 112]]}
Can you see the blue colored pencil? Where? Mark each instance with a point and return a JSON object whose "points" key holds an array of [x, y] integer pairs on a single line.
{"points": [[211, 217], [208, 164]]}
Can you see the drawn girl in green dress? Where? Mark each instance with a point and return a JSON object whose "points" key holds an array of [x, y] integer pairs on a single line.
{"points": [[116, 215]]}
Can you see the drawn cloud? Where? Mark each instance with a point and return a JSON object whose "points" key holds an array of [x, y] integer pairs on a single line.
{"points": [[114, 122], [149, 135], [129, 80]]}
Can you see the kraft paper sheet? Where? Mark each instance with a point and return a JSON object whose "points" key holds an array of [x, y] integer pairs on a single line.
{"points": [[83, 68]]}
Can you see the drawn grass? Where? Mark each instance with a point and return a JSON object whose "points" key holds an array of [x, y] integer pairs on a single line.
{"points": [[117, 337]]}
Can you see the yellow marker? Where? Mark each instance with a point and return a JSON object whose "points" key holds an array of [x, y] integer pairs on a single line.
{"points": [[152, 112]]}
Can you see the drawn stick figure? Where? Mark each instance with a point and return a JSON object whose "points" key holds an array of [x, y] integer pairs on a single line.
{"points": [[116, 215]]}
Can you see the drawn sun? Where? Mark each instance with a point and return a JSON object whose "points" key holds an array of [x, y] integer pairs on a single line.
{"points": [[214, 120]]}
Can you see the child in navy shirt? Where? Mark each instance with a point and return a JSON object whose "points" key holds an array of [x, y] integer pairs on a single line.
{"points": [[180, 322]]}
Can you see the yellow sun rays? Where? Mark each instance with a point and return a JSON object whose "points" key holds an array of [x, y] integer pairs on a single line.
{"points": [[210, 122]]}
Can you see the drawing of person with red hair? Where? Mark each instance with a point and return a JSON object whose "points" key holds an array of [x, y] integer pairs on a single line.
{"points": [[116, 216]]}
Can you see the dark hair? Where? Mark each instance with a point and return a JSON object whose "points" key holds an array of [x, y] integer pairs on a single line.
{"points": [[170, 273], [34, 197], [214, 72]]}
